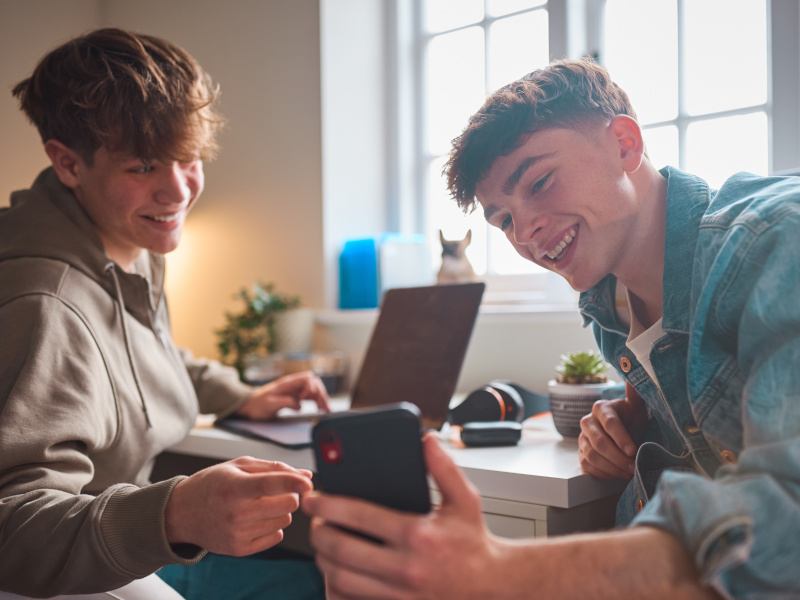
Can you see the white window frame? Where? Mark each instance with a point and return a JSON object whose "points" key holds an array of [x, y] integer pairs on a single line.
{"points": [[783, 84]]}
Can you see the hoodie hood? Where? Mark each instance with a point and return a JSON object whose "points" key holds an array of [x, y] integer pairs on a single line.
{"points": [[46, 221]]}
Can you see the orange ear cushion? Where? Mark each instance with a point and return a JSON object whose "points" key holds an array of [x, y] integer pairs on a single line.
{"points": [[512, 401]]}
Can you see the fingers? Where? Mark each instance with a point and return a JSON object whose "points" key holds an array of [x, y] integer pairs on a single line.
{"points": [[254, 466], [279, 401], [343, 583], [595, 464], [312, 389], [293, 381], [319, 394], [286, 392], [354, 553], [269, 477], [260, 528], [264, 402], [456, 490], [236, 508], [608, 417], [253, 540], [305, 384], [376, 521], [600, 442], [598, 453], [249, 464], [264, 542], [271, 484], [269, 507]]}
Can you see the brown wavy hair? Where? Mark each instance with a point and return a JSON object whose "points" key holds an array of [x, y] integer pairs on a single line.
{"points": [[566, 93], [130, 93]]}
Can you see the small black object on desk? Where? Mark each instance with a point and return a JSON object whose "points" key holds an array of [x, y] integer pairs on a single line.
{"points": [[491, 433]]}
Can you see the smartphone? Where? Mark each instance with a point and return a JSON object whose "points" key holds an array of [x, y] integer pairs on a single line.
{"points": [[374, 454]]}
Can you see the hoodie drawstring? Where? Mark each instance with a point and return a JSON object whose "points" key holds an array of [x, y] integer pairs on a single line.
{"points": [[111, 267]]}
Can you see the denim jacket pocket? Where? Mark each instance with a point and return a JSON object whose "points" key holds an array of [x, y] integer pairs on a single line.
{"points": [[651, 461], [717, 410]]}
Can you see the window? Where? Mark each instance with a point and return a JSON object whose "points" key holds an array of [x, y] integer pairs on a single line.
{"points": [[468, 49], [697, 109]]}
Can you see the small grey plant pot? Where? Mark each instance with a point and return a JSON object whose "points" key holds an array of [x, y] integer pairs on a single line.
{"points": [[569, 402], [294, 330]]}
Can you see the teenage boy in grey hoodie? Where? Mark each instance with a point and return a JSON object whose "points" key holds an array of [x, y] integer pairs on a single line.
{"points": [[92, 386]]}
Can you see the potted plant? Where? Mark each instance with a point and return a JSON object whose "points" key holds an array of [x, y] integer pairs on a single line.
{"points": [[580, 382], [254, 331]]}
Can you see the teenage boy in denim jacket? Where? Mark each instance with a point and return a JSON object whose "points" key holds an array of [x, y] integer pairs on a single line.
{"points": [[690, 294]]}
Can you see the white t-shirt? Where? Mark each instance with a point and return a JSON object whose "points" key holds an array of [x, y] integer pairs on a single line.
{"points": [[640, 340]]}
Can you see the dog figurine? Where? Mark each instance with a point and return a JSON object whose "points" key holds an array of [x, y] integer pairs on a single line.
{"points": [[456, 267]]}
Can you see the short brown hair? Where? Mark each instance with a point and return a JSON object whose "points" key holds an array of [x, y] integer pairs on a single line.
{"points": [[125, 91], [566, 93]]}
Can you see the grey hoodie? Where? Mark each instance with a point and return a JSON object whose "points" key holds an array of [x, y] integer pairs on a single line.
{"points": [[92, 388]]}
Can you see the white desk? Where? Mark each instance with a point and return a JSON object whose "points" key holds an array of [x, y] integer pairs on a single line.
{"points": [[533, 489]]}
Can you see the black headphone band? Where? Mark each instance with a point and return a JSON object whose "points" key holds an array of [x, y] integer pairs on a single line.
{"points": [[500, 401]]}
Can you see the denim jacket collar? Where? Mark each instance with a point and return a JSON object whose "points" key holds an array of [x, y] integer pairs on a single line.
{"points": [[687, 199]]}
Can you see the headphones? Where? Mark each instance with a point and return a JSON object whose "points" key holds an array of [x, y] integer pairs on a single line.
{"points": [[498, 401]]}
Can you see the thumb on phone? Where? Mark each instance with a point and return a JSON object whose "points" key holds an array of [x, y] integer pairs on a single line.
{"points": [[457, 492]]}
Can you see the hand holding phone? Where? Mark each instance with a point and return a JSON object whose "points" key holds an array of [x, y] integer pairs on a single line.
{"points": [[375, 455]]}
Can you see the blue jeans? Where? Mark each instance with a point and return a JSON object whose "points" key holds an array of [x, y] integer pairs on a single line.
{"points": [[247, 578]]}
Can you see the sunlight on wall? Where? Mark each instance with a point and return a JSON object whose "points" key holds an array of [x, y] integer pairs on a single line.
{"points": [[196, 300], [224, 248]]}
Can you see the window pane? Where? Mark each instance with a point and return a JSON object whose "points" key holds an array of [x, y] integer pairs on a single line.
{"points": [[662, 145], [726, 47], [641, 53], [517, 46], [504, 259], [445, 14], [503, 7], [718, 148], [454, 81], [443, 213]]}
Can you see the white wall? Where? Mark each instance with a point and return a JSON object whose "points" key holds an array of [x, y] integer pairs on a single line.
{"points": [[354, 126], [522, 347]]}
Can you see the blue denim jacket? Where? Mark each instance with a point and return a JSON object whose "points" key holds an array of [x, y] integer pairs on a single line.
{"points": [[720, 465]]}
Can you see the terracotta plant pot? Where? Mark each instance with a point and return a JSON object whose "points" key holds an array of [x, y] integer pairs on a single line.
{"points": [[571, 401]]}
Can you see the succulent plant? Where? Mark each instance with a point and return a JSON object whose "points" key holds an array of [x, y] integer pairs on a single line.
{"points": [[582, 367]]}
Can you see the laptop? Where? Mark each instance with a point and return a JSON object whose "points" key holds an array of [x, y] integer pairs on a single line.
{"points": [[414, 355]]}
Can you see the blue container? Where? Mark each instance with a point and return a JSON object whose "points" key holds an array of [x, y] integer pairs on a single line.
{"points": [[359, 281]]}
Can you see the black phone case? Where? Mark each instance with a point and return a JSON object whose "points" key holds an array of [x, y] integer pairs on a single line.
{"points": [[373, 454]]}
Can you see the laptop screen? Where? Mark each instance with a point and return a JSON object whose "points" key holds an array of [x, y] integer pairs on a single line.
{"points": [[417, 348]]}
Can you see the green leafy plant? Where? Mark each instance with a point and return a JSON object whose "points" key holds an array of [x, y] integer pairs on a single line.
{"points": [[582, 367], [250, 331]]}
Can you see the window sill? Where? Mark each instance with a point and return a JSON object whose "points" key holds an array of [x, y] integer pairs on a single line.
{"points": [[488, 312]]}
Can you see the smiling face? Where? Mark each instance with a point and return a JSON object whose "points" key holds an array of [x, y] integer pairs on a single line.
{"points": [[135, 205], [565, 198]]}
